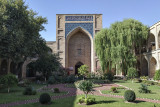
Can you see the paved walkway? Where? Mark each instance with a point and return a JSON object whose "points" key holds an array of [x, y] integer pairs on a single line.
{"points": [[74, 92]]}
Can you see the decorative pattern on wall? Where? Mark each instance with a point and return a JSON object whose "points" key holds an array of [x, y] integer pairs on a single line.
{"points": [[79, 18], [70, 26]]}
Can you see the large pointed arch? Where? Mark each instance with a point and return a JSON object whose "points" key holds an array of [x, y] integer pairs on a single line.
{"points": [[71, 34], [151, 42], [153, 64]]}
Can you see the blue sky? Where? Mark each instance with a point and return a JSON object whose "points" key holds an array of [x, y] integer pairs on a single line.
{"points": [[146, 11]]}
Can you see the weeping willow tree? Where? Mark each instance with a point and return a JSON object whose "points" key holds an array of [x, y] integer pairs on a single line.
{"points": [[118, 45]]}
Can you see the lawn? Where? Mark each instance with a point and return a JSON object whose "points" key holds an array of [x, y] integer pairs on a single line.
{"points": [[16, 94], [101, 102], [155, 90]]}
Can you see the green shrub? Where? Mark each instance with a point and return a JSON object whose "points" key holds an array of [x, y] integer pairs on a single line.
{"points": [[8, 81], [149, 82], [114, 89], [129, 95], [85, 86], [144, 89], [56, 90], [157, 75], [45, 98], [51, 80], [71, 79], [29, 91], [87, 101], [132, 73], [144, 77], [108, 76]]}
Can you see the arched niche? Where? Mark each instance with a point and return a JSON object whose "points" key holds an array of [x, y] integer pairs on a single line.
{"points": [[153, 64], [144, 71], [79, 48], [3, 69], [151, 42]]}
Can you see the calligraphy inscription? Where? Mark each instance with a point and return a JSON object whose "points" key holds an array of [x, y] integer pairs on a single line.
{"points": [[79, 18]]}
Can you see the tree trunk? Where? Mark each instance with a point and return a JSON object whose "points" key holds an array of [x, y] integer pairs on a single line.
{"points": [[85, 96], [8, 89]]}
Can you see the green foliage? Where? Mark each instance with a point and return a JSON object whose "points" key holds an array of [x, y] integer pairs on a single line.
{"points": [[144, 89], [45, 98], [148, 83], [108, 76], [118, 44], [114, 89], [19, 30], [129, 95], [71, 79], [51, 80], [56, 90], [87, 101], [83, 70], [8, 81], [132, 73], [85, 86], [144, 77], [29, 91], [157, 75], [47, 64]]}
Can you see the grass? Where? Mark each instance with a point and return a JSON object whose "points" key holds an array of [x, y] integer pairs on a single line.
{"points": [[16, 94], [155, 90], [100, 102]]}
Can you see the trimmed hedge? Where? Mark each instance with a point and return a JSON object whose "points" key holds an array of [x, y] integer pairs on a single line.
{"points": [[45, 98], [129, 95]]}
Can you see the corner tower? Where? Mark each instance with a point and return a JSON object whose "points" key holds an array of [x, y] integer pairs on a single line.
{"points": [[75, 40]]}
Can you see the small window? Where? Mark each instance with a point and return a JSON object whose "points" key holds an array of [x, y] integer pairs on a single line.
{"points": [[79, 52]]}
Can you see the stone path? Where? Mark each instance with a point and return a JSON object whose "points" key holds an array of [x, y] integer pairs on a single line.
{"points": [[74, 92]]}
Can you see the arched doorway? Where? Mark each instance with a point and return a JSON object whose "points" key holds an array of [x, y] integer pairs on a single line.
{"points": [[144, 71], [152, 70], [79, 46], [79, 64], [3, 70], [151, 42], [13, 68]]}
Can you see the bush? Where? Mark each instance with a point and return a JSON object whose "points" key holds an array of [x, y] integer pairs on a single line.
{"points": [[114, 89], [144, 89], [132, 73], [71, 79], [87, 101], [85, 86], [144, 77], [56, 90], [108, 76], [45, 98], [8, 80], [129, 95], [149, 82], [157, 75], [51, 80], [29, 91]]}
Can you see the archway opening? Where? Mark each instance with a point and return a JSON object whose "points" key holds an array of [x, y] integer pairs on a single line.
{"points": [[78, 65], [144, 71], [3, 70], [13, 68], [151, 42], [152, 70], [78, 49]]}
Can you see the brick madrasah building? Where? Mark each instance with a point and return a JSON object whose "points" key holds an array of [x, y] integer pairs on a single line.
{"points": [[74, 44]]}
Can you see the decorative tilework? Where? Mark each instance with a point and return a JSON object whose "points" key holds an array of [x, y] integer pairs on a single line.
{"points": [[79, 18], [70, 26]]}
